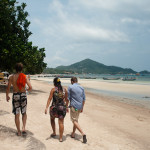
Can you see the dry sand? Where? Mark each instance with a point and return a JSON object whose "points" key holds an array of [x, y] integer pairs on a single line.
{"points": [[108, 123]]}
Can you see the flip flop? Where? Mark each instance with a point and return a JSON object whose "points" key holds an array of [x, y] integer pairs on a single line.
{"points": [[52, 135], [72, 136], [24, 133], [19, 134], [84, 139], [60, 140]]}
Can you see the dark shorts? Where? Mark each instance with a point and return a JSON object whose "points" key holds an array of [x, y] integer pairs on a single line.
{"points": [[57, 111], [19, 102]]}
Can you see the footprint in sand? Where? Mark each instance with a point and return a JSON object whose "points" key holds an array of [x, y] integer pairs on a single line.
{"points": [[140, 118], [2, 112]]}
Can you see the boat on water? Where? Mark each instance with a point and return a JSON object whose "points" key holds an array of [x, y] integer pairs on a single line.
{"points": [[87, 77], [129, 79], [111, 78], [65, 76]]}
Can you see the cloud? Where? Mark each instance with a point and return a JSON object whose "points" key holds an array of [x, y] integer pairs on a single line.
{"points": [[103, 30], [136, 21], [90, 33], [107, 4], [115, 5], [57, 58], [57, 8], [80, 32], [130, 20], [61, 25]]}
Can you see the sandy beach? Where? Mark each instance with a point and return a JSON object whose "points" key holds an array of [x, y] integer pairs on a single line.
{"points": [[109, 123]]}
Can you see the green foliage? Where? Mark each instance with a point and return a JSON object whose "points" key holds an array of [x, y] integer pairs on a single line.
{"points": [[52, 71], [144, 72], [14, 44]]}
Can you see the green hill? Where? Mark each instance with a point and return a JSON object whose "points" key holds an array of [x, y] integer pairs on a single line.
{"points": [[90, 66]]}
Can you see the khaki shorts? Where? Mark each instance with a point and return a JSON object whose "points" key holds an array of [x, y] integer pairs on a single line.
{"points": [[74, 115]]}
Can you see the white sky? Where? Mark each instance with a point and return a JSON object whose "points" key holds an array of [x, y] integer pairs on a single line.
{"points": [[112, 32]]}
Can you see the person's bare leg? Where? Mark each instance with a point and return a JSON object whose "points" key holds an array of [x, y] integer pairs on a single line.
{"points": [[53, 126], [24, 119], [76, 124], [74, 130], [17, 122], [61, 129]]}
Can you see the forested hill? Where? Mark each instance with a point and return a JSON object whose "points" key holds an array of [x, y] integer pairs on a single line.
{"points": [[89, 66]]}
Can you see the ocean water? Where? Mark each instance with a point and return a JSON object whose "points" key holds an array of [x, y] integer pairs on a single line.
{"points": [[132, 98], [142, 79], [141, 100]]}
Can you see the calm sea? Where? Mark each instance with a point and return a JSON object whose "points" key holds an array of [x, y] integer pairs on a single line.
{"points": [[142, 79], [132, 98]]}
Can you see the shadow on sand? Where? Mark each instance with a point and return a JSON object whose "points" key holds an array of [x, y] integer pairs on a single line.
{"points": [[77, 137], [7, 133], [3, 112], [56, 137], [35, 92], [3, 88]]}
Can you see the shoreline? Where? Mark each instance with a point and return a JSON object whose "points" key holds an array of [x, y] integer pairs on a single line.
{"points": [[137, 94], [108, 123]]}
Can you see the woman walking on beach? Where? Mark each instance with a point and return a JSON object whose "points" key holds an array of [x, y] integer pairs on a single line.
{"points": [[58, 107]]}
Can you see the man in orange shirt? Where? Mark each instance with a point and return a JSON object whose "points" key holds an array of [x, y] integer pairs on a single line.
{"points": [[19, 98]]}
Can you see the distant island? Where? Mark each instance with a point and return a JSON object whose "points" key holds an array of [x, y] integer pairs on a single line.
{"points": [[89, 66]]}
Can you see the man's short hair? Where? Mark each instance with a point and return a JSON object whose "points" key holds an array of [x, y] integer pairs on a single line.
{"points": [[74, 79], [19, 67]]}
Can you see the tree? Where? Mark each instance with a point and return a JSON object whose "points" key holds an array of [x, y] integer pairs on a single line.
{"points": [[14, 35]]}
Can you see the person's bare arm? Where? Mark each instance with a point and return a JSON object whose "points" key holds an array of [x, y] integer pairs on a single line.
{"points": [[29, 85], [49, 100], [66, 99], [8, 88], [83, 101], [82, 106]]}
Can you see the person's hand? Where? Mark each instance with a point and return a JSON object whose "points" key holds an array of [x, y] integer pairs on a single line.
{"points": [[67, 110], [7, 98], [46, 111]]}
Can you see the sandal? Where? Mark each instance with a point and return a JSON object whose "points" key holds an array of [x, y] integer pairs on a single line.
{"points": [[72, 136], [52, 135], [18, 133], [84, 139], [24, 132]]}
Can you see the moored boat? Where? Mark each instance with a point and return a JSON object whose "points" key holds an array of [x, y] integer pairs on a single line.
{"points": [[129, 79], [111, 78], [87, 77]]}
